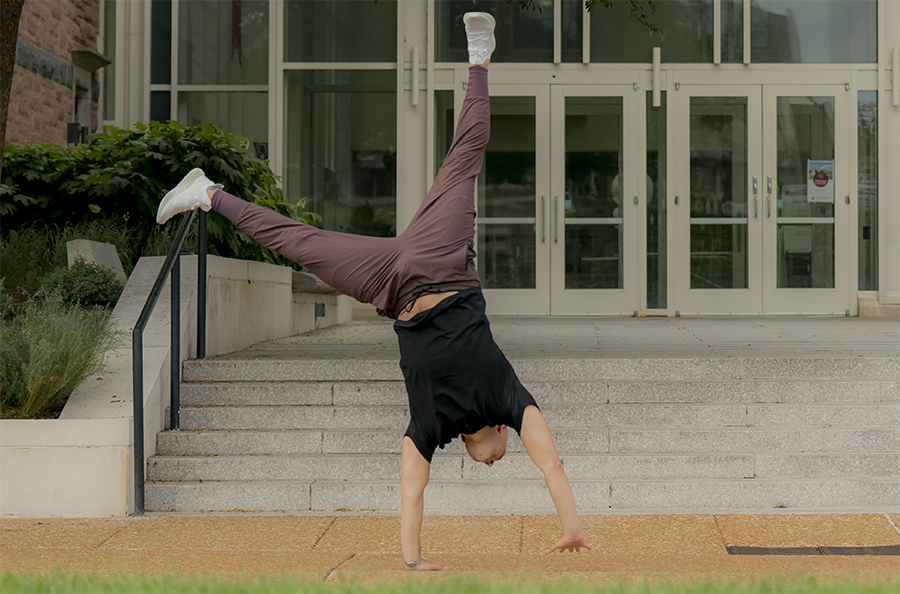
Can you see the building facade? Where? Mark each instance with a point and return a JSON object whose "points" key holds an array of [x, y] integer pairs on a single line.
{"points": [[747, 163]]}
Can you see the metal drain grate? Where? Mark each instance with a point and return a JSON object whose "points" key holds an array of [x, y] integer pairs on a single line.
{"points": [[892, 550]]}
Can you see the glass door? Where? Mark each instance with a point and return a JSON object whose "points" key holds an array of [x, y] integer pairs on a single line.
{"points": [[512, 227], [807, 187], [716, 206], [595, 197]]}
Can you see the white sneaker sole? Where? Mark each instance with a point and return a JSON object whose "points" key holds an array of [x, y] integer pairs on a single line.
{"points": [[184, 185], [488, 16]]}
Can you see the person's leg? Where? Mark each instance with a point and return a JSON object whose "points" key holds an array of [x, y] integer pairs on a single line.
{"points": [[355, 265]]}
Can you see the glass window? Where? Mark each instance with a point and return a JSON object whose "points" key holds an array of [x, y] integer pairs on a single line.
{"points": [[443, 126], [594, 218], [238, 113], [687, 24], [223, 43], [867, 190], [160, 106], [732, 31], [341, 138], [813, 31], [572, 30], [109, 50], [719, 161], [522, 35], [340, 31], [657, 163], [161, 42], [506, 189]]}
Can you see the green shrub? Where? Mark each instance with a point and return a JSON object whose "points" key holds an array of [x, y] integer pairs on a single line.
{"points": [[46, 352], [125, 173], [30, 253], [81, 284]]}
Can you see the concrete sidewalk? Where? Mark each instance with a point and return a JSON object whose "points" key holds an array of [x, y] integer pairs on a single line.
{"points": [[667, 547]]}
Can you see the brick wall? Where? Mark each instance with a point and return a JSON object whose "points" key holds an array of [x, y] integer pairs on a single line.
{"points": [[41, 102]]}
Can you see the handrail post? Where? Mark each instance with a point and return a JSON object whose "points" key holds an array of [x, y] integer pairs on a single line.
{"points": [[175, 353], [137, 368], [201, 287]]}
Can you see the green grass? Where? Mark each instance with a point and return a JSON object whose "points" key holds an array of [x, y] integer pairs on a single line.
{"points": [[75, 583]]}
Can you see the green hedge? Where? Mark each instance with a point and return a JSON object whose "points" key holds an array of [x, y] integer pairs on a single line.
{"points": [[123, 174]]}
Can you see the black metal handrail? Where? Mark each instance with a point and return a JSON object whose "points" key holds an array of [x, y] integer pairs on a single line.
{"points": [[171, 265]]}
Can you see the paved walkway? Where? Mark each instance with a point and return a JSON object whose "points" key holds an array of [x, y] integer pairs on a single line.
{"points": [[523, 337], [673, 547]]}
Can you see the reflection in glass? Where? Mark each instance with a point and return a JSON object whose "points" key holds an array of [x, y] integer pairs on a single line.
{"points": [[340, 136], [506, 256], [160, 106], [732, 31], [572, 30], [594, 256], [340, 31], [805, 251], [867, 190], [222, 43], [509, 160], [593, 200], [806, 256], [160, 42], [522, 35], [657, 163], [719, 256], [238, 113], [813, 31], [719, 193], [109, 50], [506, 197], [443, 126], [687, 24]]}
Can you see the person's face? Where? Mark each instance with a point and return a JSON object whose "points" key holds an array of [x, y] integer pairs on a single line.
{"points": [[487, 445]]}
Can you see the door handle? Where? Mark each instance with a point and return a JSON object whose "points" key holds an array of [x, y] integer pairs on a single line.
{"points": [[768, 207], [756, 207], [556, 224], [755, 185], [543, 219], [769, 184]]}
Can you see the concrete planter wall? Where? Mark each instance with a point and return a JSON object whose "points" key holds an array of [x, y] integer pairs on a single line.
{"points": [[80, 465]]}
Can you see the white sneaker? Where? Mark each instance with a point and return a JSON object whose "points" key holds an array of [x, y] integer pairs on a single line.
{"points": [[190, 193], [480, 35]]}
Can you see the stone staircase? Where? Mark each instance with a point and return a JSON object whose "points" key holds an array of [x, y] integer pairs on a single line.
{"points": [[665, 434]]}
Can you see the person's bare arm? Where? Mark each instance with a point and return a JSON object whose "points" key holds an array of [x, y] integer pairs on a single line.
{"points": [[540, 447], [414, 478]]}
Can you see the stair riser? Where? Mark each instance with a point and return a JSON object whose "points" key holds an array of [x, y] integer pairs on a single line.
{"points": [[549, 393], [558, 417], [630, 441], [515, 467], [560, 370], [520, 496]]}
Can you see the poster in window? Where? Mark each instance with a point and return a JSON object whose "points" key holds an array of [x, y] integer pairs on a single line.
{"points": [[820, 181]]}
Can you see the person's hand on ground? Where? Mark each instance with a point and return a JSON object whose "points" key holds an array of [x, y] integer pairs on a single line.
{"points": [[569, 543], [427, 565]]}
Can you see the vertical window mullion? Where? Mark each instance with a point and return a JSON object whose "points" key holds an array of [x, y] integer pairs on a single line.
{"points": [[173, 113]]}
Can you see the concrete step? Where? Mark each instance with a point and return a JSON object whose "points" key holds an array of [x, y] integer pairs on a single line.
{"points": [[628, 440], [560, 370], [567, 416], [517, 466], [369, 393], [522, 496]]}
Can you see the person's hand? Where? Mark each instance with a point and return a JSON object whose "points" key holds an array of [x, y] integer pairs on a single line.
{"points": [[427, 565], [569, 543]]}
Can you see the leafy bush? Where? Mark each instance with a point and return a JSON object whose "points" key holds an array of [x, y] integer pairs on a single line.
{"points": [[30, 253], [81, 284], [46, 352], [125, 173]]}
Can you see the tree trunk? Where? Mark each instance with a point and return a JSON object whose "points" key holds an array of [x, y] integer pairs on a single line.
{"points": [[10, 13]]}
